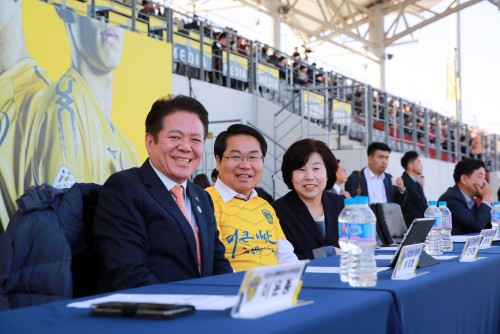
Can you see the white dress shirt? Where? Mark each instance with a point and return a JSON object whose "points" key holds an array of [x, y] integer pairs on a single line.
{"points": [[376, 187]]}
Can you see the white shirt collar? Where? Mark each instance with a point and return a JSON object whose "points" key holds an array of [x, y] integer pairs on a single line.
{"points": [[337, 188], [227, 193], [371, 175], [169, 184]]}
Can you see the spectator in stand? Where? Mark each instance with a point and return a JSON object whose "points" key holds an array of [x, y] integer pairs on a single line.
{"points": [[201, 180], [373, 181], [149, 9], [214, 175], [476, 146], [341, 179], [415, 202], [302, 78], [470, 183], [194, 24], [218, 46], [282, 67]]}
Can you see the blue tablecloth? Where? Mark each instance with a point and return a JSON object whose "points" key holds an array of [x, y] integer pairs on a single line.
{"points": [[342, 311], [453, 297]]}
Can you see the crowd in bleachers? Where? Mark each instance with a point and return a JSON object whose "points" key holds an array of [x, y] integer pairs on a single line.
{"points": [[416, 124]]}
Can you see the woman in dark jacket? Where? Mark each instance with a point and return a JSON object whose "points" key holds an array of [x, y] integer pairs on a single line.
{"points": [[308, 213]]}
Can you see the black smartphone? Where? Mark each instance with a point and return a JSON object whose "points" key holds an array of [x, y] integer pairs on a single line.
{"points": [[141, 310]]}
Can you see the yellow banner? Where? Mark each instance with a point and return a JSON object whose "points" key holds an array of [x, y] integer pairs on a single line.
{"points": [[268, 77], [73, 97], [313, 105]]}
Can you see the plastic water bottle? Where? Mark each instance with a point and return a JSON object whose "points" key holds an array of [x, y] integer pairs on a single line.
{"points": [[495, 218], [446, 225], [346, 216], [362, 265], [433, 240]]}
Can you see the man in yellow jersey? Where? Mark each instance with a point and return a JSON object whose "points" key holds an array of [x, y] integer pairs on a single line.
{"points": [[248, 225], [75, 140], [22, 82]]}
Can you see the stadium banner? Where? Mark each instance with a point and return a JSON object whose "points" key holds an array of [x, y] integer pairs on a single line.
{"points": [[74, 100], [313, 105], [238, 68], [342, 112], [268, 77], [187, 52]]}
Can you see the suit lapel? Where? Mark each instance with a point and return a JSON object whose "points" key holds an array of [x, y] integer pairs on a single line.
{"points": [[388, 187], [160, 193], [364, 183]]}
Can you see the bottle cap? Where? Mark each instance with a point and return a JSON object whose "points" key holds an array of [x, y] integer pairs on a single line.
{"points": [[431, 203], [349, 201], [362, 199], [442, 203]]}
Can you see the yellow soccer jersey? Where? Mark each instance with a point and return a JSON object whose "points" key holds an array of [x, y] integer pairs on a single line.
{"points": [[249, 230], [73, 140], [20, 89]]}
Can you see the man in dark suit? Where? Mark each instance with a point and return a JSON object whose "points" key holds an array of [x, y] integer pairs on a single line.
{"points": [[146, 232], [373, 181], [415, 202], [470, 183]]}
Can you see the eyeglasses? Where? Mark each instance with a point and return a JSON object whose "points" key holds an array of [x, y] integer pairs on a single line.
{"points": [[253, 159]]}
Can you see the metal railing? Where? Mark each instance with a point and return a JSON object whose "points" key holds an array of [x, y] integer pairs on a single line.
{"points": [[374, 115]]}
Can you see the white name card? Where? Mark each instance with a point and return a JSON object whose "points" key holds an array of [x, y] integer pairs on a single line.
{"points": [[488, 236], [471, 248], [270, 289], [407, 262]]}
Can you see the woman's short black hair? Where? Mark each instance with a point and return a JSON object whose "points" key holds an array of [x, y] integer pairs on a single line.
{"points": [[298, 155]]}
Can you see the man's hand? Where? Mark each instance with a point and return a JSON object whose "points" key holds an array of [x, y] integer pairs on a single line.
{"points": [[345, 194], [485, 193], [400, 184]]}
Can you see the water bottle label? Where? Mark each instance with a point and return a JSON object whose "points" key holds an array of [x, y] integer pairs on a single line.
{"points": [[343, 230], [437, 223], [446, 221], [495, 215], [362, 232]]}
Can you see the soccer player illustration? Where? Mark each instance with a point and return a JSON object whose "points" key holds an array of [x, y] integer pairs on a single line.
{"points": [[75, 139], [22, 82]]}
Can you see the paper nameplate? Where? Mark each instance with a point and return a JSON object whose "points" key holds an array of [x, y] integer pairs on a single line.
{"points": [[471, 248], [270, 289], [407, 262], [487, 238]]}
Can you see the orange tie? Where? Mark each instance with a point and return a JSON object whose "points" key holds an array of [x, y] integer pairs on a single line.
{"points": [[178, 191]]}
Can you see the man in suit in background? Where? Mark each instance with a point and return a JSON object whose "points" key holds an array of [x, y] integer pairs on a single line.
{"points": [[373, 181], [470, 183], [152, 225], [415, 202], [341, 179]]}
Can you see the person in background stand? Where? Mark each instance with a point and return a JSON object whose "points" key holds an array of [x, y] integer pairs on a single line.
{"points": [[148, 10], [309, 213], [467, 215], [341, 179], [373, 181], [201, 180], [415, 202]]}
